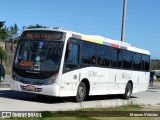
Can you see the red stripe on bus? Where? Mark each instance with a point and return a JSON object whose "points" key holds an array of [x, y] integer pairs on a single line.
{"points": [[115, 45]]}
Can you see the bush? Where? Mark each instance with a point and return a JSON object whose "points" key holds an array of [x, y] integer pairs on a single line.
{"points": [[4, 54]]}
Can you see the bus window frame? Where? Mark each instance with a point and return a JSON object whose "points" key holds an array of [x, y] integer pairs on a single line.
{"points": [[77, 65]]}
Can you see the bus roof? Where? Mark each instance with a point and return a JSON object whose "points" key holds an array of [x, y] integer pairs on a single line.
{"points": [[110, 42], [96, 39]]}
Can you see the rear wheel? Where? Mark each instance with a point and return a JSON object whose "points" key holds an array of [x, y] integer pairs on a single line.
{"points": [[128, 91], [81, 92]]}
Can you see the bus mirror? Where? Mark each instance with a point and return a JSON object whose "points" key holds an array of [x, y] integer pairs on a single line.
{"points": [[2, 73]]}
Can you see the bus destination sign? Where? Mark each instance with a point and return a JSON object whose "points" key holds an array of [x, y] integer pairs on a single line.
{"points": [[49, 35]]}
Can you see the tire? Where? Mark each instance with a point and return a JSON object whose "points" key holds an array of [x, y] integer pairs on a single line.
{"points": [[128, 91], [81, 92]]}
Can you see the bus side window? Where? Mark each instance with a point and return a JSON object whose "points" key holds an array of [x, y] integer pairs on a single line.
{"points": [[72, 56], [87, 53], [94, 54], [137, 61], [145, 62], [114, 57], [127, 59]]}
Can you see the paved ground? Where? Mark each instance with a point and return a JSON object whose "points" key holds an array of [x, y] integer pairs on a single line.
{"points": [[18, 101], [6, 81]]}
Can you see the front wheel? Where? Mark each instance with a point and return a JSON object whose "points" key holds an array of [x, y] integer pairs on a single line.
{"points": [[81, 92], [128, 91]]}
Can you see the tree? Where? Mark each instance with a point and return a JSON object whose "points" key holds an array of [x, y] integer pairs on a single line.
{"points": [[3, 32], [12, 32], [23, 28], [155, 64], [4, 54], [35, 26]]}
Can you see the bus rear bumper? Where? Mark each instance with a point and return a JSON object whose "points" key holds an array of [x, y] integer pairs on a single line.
{"points": [[50, 90]]}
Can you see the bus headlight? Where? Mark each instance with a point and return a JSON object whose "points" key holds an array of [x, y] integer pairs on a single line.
{"points": [[52, 79]]}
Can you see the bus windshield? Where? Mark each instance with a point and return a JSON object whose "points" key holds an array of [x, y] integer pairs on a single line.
{"points": [[38, 55]]}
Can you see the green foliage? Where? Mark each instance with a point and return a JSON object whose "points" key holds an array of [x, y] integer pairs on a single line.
{"points": [[8, 34], [4, 54], [155, 64], [16, 41], [2, 24], [12, 32], [3, 32], [35, 26]]}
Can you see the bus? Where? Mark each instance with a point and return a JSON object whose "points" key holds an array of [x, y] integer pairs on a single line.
{"points": [[58, 62]]}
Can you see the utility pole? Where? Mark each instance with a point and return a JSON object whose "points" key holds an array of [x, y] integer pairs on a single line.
{"points": [[123, 20]]}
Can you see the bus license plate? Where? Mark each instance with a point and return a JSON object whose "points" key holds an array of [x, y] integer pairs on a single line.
{"points": [[30, 88]]}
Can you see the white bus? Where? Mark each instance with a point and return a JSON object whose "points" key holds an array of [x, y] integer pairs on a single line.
{"points": [[57, 62]]}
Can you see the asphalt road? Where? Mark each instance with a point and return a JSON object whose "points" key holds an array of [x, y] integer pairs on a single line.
{"points": [[6, 81], [18, 101]]}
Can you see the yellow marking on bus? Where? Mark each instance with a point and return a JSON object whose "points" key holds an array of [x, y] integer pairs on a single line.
{"points": [[92, 40]]}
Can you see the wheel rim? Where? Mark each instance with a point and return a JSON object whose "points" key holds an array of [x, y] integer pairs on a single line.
{"points": [[81, 92]]}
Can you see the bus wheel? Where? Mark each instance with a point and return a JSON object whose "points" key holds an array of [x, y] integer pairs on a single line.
{"points": [[81, 92], [128, 91]]}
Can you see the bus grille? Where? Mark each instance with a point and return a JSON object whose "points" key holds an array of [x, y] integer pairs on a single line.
{"points": [[36, 90]]}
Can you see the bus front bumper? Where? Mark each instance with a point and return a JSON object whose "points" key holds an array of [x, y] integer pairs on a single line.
{"points": [[50, 90]]}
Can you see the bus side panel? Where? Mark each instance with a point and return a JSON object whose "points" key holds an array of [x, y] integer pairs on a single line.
{"points": [[118, 80], [103, 81], [98, 79], [140, 81], [69, 83]]}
